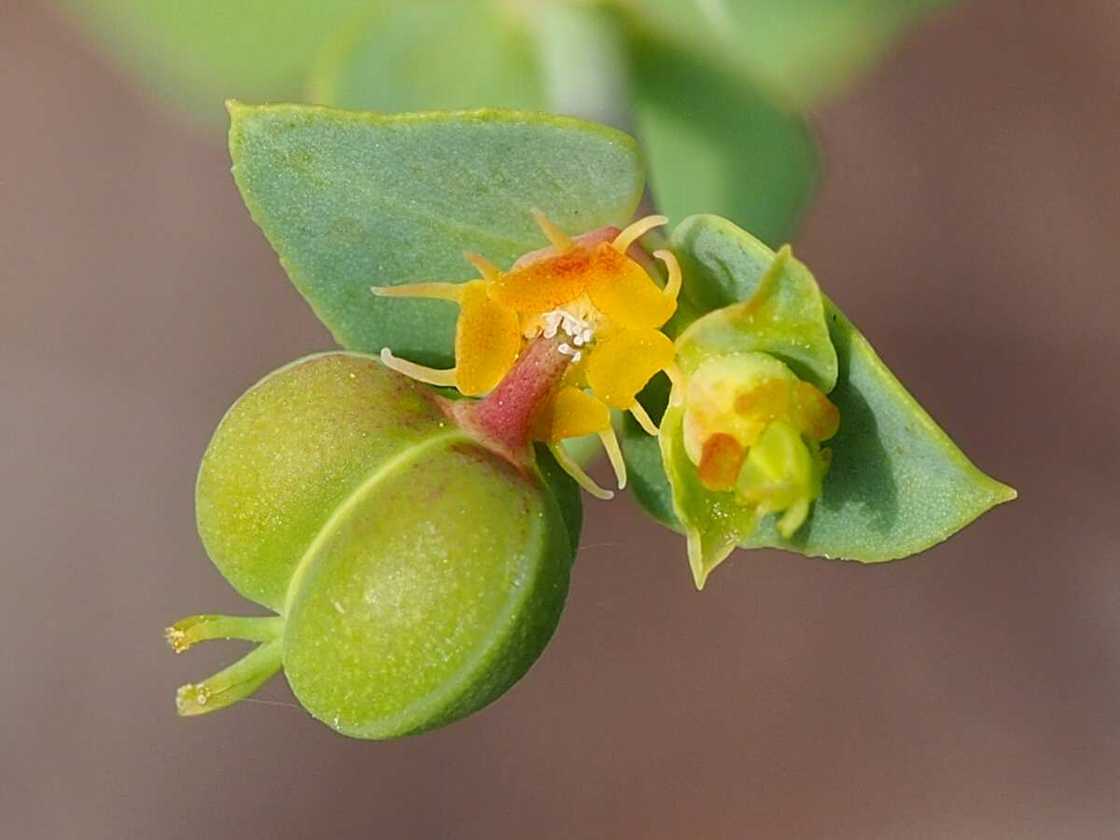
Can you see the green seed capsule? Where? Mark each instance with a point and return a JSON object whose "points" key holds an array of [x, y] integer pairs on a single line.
{"points": [[416, 573]]}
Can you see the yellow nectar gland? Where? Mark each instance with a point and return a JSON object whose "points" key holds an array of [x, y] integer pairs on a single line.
{"points": [[595, 302]]}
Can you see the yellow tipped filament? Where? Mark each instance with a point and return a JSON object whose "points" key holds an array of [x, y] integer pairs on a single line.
{"points": [[487, 269], [431, 376], [634, 231], [559, 240], [568, 465], [435, 291], [673, 286], [614, 454], [644, 420]]}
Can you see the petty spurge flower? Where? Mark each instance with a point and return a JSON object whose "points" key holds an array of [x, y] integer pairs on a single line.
{"points": [[752, 428], [742, 437], [573, 329]]}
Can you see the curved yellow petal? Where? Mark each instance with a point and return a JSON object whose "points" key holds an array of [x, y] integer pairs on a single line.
{"points": [[546, 285], [622, 363], [487, 341], [625, 294], [573, 413]]}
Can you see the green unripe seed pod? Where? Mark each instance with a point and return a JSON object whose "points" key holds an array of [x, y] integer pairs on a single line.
{"points": [[417, 574]]}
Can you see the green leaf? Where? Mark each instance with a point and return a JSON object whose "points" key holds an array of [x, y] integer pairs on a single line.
{"points": [[799, 51], [897, 484], [784, 316], [402, 59], [350, 200], [779, 332], [718, 145], [202, 52], [713, 521]]}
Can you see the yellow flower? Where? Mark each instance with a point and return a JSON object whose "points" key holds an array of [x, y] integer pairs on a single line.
{"points": [[751, 426], [592, 303]]}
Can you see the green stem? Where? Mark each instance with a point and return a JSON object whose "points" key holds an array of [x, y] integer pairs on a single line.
{"points": [[231, 684], [584, 61], [202, 628]]}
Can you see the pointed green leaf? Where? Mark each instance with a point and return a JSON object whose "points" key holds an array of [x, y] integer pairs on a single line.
{"points": [[400, 59], [713, 521], [897, 484], [350, 200], [717, 144]]}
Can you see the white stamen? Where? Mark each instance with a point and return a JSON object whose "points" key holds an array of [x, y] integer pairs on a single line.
{"points": [[579, 330], [552, 322]]}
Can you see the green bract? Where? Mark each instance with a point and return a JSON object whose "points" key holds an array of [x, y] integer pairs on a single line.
{"points": [[415, 573], [352, 200], [896, 484], [740, 413]]}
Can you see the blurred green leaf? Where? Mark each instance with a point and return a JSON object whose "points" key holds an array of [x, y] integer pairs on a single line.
{"points": [[897, 484], [716, 144], [350, 200], [428, 54], [799, 50], [202, 52]]}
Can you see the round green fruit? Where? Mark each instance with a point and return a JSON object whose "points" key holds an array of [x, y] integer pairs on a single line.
{"points": [[416, 573]]}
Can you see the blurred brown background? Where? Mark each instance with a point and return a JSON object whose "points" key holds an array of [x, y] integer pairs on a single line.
{"points": [[968, 223]]}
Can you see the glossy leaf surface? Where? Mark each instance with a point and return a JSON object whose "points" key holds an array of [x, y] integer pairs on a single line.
{"points": [[897, 484], [350, 200]]}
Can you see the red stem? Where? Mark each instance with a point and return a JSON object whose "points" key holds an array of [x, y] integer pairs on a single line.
{"points": [[504, 417]]}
